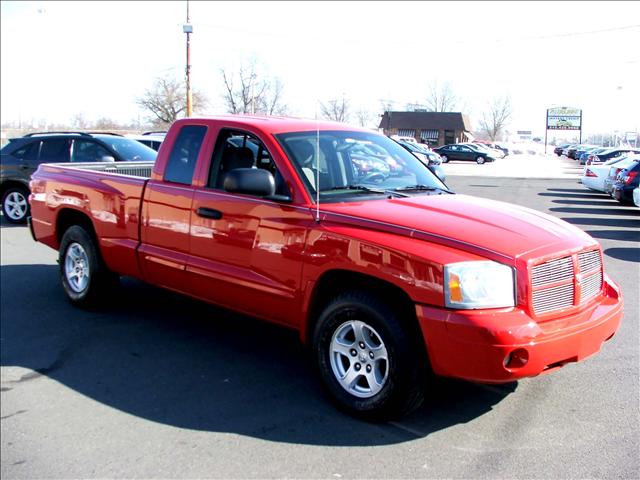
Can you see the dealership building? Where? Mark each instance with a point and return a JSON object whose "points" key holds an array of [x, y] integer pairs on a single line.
{"points": [[432, 128]]}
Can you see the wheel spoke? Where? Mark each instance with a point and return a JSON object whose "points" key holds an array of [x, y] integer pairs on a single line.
{"points": [[342, 349], [351, 377]]}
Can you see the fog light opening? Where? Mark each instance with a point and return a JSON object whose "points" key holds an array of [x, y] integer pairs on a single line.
{"points": [[516, 359]]}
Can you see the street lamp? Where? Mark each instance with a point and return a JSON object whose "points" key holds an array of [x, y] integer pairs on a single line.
{"points": [[188, 29]]}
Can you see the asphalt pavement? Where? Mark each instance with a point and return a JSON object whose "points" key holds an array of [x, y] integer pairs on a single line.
{"points": [[160, 386]]}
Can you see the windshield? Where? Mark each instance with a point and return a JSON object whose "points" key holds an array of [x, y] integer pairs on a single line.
{"points": [[356, 164], [130, 150]]}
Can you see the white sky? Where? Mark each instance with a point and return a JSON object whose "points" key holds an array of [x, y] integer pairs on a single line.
{"points": [[63, 58]]}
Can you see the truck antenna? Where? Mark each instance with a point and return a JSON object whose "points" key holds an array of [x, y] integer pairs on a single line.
{"points": [[317, 166]]}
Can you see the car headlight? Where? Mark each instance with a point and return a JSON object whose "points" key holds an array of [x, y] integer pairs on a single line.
{"points": [[482, 284]]}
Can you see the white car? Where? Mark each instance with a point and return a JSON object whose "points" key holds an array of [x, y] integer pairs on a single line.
{"points": [[594, 176], [636, 196], [495, 153], [150, 139]]}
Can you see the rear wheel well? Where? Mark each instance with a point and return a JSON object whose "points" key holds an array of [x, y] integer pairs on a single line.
{"points": [[333, 283], [69, 217]]}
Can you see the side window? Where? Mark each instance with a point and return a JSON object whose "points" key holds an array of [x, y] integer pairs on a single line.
{"points": [[184, 155], [237, 149], [88, 151], [28, 152], [55, 150]]}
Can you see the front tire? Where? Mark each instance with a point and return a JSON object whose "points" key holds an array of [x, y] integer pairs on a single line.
{"points": [[85, 278], [15, 204], [444, 158], [369, 363]]}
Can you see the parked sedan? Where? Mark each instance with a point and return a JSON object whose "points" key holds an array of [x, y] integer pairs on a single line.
{"points": [[560, 148], [626, 181], [610, 153], [463, 152], [594, 177], [481, 147], [615, 169], [584, 156]]}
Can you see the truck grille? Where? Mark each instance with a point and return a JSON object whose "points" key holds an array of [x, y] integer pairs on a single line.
{"points": [[557, 285]]}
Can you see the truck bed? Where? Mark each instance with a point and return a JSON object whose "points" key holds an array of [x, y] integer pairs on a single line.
{"points": [[108, 194]]}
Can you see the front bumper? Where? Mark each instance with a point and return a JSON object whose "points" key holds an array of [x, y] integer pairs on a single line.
{"points": [[489, 345]]}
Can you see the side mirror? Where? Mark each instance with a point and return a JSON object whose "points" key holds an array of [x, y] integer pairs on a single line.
{"points": [[250, 181], [107, 158]]}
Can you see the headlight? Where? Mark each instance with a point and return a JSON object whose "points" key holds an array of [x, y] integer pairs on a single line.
{"points": [[483, 284]]}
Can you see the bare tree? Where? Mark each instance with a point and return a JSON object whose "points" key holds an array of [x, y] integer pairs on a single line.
{"points": [[250, 92], [440, 97], [364, 117], [167, 100], [79, 121], [496, 118], [335, 109], [105, 123]]}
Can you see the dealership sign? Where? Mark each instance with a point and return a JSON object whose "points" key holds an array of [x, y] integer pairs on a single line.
{"points": [[564, 118]]}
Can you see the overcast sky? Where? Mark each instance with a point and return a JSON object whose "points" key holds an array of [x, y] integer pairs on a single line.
{"points": [[64, 58]]}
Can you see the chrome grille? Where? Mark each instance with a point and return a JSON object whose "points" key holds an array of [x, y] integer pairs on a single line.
{"points": [[552, 272], [591, 286], [553, 298], [554, 282], [589, 261]]}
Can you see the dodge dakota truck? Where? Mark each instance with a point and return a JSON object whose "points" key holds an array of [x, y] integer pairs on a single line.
{"points": [[343, 235]]}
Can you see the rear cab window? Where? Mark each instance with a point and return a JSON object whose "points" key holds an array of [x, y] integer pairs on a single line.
{"points": [[184, 155]]}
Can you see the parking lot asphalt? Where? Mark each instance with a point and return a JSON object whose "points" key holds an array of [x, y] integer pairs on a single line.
{"points": [[160, 386]]}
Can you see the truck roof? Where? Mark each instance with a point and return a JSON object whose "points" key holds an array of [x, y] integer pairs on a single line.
{"points": [[275, 124]]}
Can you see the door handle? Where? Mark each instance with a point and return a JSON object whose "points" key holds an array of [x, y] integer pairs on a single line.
{"points": [[209, 213]]}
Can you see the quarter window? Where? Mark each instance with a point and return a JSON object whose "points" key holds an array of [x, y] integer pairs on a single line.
{"points": [[184, 155], [28, 152]]}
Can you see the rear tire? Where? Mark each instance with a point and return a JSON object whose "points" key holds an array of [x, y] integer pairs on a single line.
{"points": [[480, 160], [15, 204], [85, 278], [371, 365]]}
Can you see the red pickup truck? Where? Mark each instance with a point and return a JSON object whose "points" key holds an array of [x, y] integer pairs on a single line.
{"points": [[342, 234]]}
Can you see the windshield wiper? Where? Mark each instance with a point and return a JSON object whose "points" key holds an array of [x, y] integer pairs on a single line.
{"points": [[421, 188], [364, 188]]}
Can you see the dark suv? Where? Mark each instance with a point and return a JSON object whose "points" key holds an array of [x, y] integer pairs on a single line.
{"points": [[21, 157]]}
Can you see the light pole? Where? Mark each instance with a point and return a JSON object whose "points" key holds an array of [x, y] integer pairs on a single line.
{"points": [[188, 29]]}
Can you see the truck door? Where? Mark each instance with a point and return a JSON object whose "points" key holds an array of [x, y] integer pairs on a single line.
{"points": [[167, 213], [246, 250]]}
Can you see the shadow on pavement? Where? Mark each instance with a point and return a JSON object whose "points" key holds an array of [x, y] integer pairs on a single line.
{"points": [[596, 211], [584, 194], [168, 359], [606, 222], [4, 223], [623, 235], [627, 254], [598, 203]]}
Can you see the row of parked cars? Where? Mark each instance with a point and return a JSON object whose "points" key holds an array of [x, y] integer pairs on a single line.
{"points": [[21, 157], [587, 154], [614, 171]]}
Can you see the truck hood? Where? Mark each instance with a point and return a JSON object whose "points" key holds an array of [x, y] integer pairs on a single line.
{"points": [[489, 228]]}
